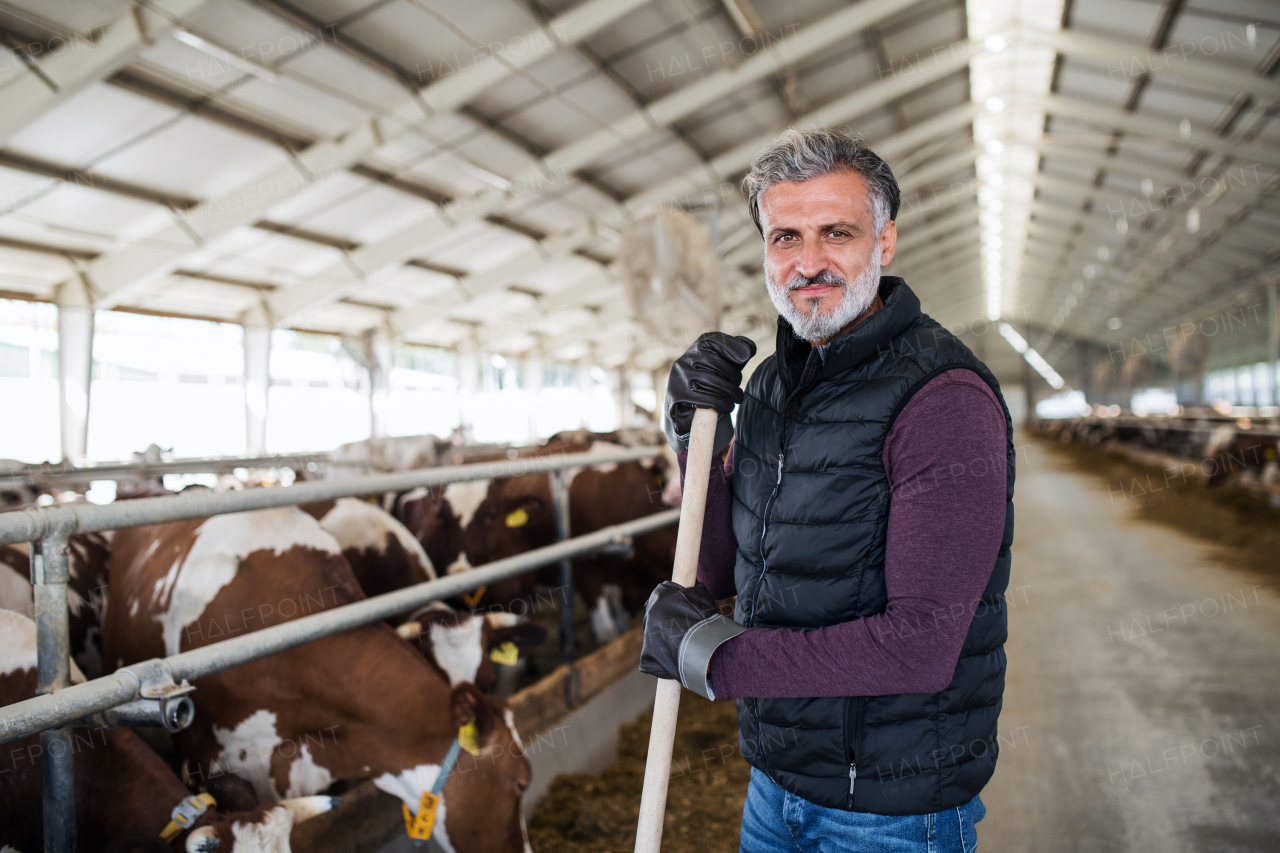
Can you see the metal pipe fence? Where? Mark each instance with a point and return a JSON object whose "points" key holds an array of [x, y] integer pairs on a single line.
{"points": [[51, 527]]}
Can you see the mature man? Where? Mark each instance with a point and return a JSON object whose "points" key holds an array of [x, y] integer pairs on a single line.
{"points": [[863, 517]]}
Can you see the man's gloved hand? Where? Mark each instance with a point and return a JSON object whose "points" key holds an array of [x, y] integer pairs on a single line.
{"points": [[681, 631], [707, 376]]}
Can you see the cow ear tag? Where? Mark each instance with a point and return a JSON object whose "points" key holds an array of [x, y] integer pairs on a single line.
{"points": [[517, 518], [469, 737], [419, 826], [507, 653]]}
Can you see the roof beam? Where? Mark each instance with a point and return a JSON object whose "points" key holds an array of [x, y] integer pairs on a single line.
{"points": [[1162, 129], [555, 167], [115, 277], [1130, 59], [85, 60]]}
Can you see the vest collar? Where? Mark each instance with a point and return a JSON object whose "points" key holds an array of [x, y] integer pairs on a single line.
{"points": [[799, 364]]}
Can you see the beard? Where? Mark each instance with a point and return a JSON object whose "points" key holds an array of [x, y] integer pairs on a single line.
{"points": [[817, 325]]}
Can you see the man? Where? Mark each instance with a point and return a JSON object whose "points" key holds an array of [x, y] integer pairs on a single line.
{"points": [[863, 518]]}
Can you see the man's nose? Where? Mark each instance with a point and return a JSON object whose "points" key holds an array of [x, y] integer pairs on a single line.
{"points": [[813, 260]]}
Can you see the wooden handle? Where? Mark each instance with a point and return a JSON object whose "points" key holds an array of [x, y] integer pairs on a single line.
{"points": [[666, 705]]}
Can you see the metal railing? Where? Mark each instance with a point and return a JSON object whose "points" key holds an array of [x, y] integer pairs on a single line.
{"points": [[50, 528], [51, 474]]}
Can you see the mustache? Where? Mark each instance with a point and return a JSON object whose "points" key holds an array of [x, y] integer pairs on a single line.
{"points": [[824, 277]]}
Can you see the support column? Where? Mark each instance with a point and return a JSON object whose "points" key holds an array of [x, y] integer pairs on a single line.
{"points": [[75, 368], [378, 361], [626, 409], [584, 392], [468, 378], [532, 368], [257, 379], [1273, 343]]}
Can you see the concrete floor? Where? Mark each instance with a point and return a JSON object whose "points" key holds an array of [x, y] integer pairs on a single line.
{"points": [[1142, 708]]}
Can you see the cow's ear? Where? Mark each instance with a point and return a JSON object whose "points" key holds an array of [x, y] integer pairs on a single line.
{"points": [[467, 703], [525, 636], [524, 510]]}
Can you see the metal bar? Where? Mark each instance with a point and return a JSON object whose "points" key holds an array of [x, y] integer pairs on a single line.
{"points": [[32, 524], [80, 700], [50, 574], [48, 474], [560, 504]]}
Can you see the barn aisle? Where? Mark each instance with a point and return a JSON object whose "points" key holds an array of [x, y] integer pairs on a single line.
{"points": [[1142, 711]]}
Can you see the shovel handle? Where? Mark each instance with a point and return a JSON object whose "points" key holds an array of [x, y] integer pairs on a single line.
{"points": [[666, 706]]}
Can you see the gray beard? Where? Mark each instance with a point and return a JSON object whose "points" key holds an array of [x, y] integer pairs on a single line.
{"points": [[813, 325]]}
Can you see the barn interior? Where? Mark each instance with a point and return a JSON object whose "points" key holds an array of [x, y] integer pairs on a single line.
{"points": [[356, 246]]}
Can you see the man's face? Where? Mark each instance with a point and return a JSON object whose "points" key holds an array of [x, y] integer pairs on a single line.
{"points": [[822, 229]]}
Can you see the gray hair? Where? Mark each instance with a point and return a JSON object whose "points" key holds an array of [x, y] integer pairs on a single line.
{"points": [[798, 155]]}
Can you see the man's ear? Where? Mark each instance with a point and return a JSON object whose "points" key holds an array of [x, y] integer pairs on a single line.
{"points": [[888, 242]]}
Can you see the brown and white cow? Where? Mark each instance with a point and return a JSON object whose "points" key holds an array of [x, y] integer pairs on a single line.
{"points": [[514, 515], [88, 557], [382, 552], [362, 704], [1231, 450], [124, 791]]}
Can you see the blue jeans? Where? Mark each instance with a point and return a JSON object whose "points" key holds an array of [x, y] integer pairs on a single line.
{"points": [[775, 821]]}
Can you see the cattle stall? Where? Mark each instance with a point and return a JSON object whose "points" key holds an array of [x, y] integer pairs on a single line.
{"points": [[161, 681]]}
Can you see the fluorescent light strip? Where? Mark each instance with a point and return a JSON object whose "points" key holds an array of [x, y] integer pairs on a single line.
{"points": [[1008, 81], [1035, 359]]}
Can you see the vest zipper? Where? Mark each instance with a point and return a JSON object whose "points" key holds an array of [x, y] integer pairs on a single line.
{"points": [[853, 747], [853, 776], [764, 528]]}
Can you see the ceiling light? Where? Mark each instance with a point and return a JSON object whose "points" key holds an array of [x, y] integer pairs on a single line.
{"points": [[1104, 253], [994, 146], [994, 105], [995, 43], [1184, 128], [1148, 186], [1122, 226], [1114, 323], [1193, 220], [994, 179]]}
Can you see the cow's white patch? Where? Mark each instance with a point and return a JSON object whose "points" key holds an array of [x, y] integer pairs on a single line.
{"points": [[306, 777], [363, 526], [246, 752], [15, 589], [603, 628], [409, 785], [510, 719], [502, 619], [465, 498], [269, 835], [458, 649], [220, 544], [17, 642], [462, 564]]}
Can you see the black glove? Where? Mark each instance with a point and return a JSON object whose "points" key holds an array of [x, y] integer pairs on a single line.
{"points": [[707, 376], [681, 631]]}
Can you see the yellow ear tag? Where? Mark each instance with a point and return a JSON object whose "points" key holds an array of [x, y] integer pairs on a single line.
{"points": [[419, 826], [469, 737], [507, 654], [471, 599], [517, 518]]}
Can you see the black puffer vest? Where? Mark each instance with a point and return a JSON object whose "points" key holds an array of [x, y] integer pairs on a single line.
{"points": [[811, 509]]}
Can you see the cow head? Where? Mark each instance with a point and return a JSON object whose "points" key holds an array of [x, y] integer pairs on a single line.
{"points": [[463, 645], [432, 520], [480, 811]]}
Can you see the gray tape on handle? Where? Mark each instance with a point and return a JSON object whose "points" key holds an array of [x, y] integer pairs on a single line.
{"points": [[699, 645]]}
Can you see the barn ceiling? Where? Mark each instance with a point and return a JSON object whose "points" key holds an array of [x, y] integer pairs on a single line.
{"points": [[459, 174]]}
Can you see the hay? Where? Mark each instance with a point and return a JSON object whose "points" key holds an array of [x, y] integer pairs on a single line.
{"points": [[584, 813]]}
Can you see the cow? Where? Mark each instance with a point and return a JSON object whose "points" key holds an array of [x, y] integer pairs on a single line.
{"points": [[125, 793], [1229, 450], [381, 551], [88, 556], [361, 704], [516, 516], [466, 646]]}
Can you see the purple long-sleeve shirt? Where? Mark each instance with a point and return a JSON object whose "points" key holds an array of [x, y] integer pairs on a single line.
{"points": [[945, 459]]}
